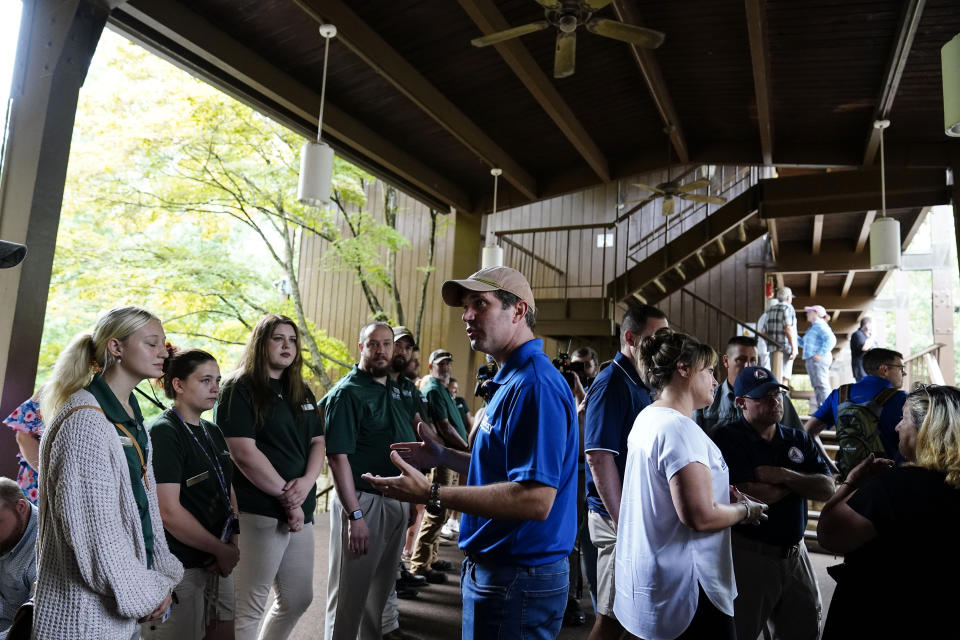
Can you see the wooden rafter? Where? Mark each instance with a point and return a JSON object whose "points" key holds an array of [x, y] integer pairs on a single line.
{"points": [[817, 234], [868, 218], [367, 44], [774, 238], [226, 62], [489, 19], [813, 284], [835, 302], [891, 79], [650, 69], [759, 56], [847, 283]]}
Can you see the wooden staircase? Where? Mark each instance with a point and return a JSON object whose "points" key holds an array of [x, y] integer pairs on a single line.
{"points": [[693, 253]]}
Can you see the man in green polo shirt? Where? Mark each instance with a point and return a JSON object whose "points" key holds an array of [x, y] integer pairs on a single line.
{"points": [[366, 529], [449, 424]]}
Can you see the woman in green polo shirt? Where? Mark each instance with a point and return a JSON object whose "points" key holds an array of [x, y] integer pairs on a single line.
{"points": [[273, 429], [194, 476], [101, 568]]}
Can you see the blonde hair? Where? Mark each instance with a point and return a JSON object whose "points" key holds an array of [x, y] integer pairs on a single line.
{"points": [[87, 353], [935, 410]]}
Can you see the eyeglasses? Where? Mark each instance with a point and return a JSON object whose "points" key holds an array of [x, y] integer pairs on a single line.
{"points": [[771, 397], [890, 365]]}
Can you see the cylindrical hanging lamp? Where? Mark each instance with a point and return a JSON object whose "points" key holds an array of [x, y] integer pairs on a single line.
{"points": [[492, 255], [316, 158], [950, 66], [884, 232]]}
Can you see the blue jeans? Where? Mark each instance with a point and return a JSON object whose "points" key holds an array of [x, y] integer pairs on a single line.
{"points": [[510, 602], [819, 371]]}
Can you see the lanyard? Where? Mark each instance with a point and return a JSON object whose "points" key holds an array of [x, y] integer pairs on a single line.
{"points": [[136, 445], [214, 462]]}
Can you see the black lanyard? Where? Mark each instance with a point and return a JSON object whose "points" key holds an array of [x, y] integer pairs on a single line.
{"points": [[214, 462]]}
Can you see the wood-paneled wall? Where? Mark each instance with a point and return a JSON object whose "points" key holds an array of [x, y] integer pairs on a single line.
{"points": [[335, 301]]}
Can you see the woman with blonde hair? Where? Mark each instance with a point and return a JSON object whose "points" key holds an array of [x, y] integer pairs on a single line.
{"points": [[103, 564], [674, 569], [275, 435], [898, 527]]}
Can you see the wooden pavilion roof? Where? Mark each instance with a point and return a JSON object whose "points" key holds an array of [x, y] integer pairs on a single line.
{"points": [[736, 82]]}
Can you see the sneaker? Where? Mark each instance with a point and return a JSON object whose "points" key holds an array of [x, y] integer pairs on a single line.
{"points": [[441, 565], [446, 533], [454, 524], [432, 576], [573, 616], [411, 580]]}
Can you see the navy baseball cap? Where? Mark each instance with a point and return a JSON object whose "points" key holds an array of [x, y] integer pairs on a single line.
{"points": [[755, 382]]}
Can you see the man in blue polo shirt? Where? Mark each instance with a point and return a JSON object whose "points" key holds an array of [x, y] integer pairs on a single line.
{"points": [[782, 467], [519, 505], [884, 369], [615, 398]]}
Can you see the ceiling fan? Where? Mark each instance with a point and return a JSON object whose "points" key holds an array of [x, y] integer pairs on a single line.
{"points": [[567, 16], [673, 189]]}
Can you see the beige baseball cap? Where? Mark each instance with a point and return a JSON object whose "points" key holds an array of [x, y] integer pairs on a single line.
{"points": [[489, 279], [401, 331]]}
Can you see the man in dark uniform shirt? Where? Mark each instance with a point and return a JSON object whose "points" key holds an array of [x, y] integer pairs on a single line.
{"points": [[783, 467]]}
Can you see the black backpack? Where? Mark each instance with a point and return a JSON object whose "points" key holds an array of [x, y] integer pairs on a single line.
{"points": [[858, 428]]}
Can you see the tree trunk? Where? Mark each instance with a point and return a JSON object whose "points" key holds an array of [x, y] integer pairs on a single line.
{"points": [[390, 214], [431, 250]]}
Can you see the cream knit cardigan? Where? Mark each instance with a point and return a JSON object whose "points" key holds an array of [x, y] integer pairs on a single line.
{"points": [[92, 577]]}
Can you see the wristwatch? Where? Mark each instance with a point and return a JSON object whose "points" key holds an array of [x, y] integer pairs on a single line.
{"points": [[433, 502], [355, 515]]}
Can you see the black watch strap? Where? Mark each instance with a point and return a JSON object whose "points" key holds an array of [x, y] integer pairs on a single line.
{"points": [[355, 515], [433, 505]]}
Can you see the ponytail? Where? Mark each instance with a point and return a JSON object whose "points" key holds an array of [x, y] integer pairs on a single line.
{"points": [[74, 370]]}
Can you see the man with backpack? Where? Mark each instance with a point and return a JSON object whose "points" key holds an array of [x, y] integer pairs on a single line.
{"points": [[865, 413]]}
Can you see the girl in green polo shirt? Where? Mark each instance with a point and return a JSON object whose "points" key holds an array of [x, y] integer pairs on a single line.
{"points": [[101, 570], [273, 429], [194, 484]]}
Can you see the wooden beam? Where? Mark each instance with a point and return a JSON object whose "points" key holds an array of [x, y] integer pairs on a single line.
{"points": [[891, 79], [367, 45], [856, 302], [759, 56], [848, 191], [813, 284], [208, 51], [774, 238], [488, 18], [795, 257], [817, 234], [868, 218], [847, 283], [627, 12]]}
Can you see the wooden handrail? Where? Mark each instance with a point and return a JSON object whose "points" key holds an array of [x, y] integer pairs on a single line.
{"points": [[931, 349], [729, 316]]}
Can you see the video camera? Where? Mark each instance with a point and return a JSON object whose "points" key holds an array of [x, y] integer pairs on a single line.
{"points": [[484, 374], [562, 363]]}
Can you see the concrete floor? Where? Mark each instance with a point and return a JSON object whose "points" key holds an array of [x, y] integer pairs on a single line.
{"points": [[435, 614]]}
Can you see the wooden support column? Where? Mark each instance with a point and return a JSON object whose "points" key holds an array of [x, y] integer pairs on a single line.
{"points": [[57, 41], [467, 242]]}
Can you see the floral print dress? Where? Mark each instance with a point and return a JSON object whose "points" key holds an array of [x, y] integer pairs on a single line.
{"points": [[26, 419]]}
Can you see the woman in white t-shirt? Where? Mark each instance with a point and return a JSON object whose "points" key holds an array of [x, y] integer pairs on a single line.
{"points": [[674, 571]]}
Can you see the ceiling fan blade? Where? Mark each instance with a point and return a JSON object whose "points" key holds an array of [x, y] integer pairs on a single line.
{"points": [[648, 188], [693, 186], [668, 206], [640, 36], [693, 197], [508, 34], [593, 5], [565, 57], [556, 5]]}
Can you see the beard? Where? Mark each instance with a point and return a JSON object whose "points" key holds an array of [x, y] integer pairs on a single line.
{"points": [[378, 371], [398, 364]]}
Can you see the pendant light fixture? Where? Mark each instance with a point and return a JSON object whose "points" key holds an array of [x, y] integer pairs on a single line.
{"points": [[492, 254], [950, 68], [316, 158], [884, 232]]}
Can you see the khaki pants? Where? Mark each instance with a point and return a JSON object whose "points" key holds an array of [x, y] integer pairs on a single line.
{"points": [[427, 547], [358, 586], [780, 593], [203, 598], [272, 556], [603, 535]]}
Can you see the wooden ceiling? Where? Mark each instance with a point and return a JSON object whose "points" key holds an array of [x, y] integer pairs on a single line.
{"points": [[736, 82]]}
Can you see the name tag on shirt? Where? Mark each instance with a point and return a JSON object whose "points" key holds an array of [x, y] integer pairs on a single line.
{"points": [[307, 407], [125, 441], [200, 477]]}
